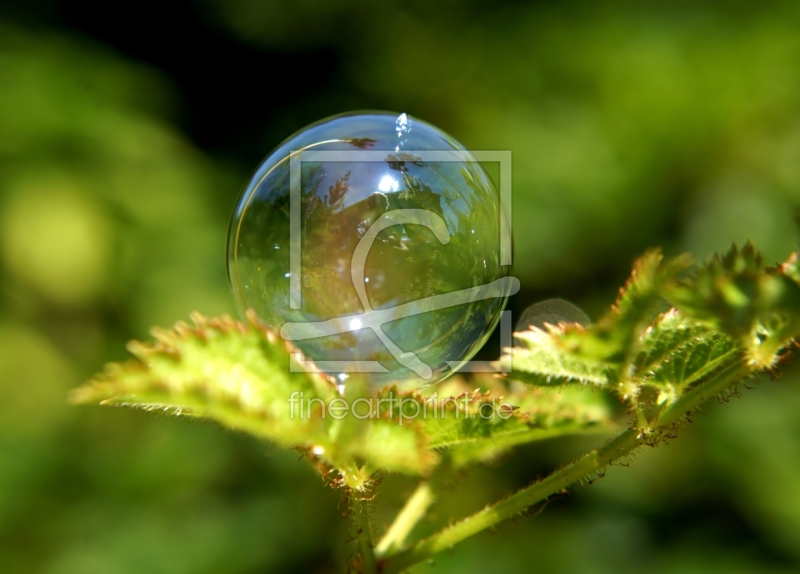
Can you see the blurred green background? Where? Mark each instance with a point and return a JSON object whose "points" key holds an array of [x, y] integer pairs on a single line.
{"points": [[126, 131]]}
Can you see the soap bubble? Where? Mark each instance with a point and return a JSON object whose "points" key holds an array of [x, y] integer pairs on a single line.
{"points": [[552, 311], [372, 242]]}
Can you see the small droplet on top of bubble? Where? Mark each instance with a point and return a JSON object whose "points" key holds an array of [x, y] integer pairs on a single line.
{"points": [[553, 312], [402, 125]]}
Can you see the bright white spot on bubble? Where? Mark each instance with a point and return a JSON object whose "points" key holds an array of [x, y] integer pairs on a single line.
{"points": [[355, 324], [286, 274], [318, 450], [342, 376], [388, 183]]}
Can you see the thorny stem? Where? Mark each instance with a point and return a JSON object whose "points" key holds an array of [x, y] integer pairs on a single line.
{"points": [[409, 516], [360, 515], [584, 467]]}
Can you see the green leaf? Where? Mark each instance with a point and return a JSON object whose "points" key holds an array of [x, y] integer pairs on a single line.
{"points": [[479, 425], [730, 308], [239, 375], [542, 414], [677, 352], [599, 355], [556, 357], [618, 331], [375, 434], [220, 369], [736, 294]]}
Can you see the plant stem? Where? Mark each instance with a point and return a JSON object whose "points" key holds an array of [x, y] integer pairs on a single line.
{"points": [[360, 514], [409, 516], [584, 467]]}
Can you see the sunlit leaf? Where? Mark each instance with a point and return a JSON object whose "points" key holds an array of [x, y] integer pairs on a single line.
{"points": [[546, 358], [221, 369], [677, 352]]}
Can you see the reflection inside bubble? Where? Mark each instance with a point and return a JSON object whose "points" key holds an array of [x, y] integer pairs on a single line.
{"points": [[339, 202]]}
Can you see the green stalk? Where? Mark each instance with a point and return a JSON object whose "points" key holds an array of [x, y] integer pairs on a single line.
{"points": [[360, 514], [409, 516], [584, 467]]}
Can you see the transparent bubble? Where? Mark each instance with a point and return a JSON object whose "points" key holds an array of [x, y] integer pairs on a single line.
{"points": [[552, 311], [372, 241]]}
